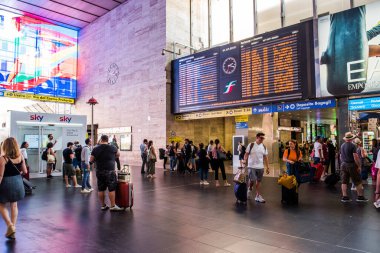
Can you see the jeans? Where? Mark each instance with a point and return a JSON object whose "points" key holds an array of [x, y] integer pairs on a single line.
{"points": [[203, 173], [317, 160], [86, 177], [165, 160], [143, 158], [292, 169], [173, 162]]}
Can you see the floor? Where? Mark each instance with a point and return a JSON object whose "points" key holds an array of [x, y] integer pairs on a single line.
{"points": [[174, 213]]}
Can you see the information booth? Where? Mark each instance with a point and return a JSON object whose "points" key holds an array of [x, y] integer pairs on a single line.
{"points": [[35, 128]]}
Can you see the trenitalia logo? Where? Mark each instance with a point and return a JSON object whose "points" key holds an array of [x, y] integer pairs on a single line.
{"points": [[229, 87]]}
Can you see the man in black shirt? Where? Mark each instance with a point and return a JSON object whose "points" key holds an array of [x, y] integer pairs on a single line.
{"points": [[350, 167], [68, 169], [105, 155]]}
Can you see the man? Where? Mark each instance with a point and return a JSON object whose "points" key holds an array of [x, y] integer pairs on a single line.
{"points": [[325, 155], [187, 151], [77, 155], [256, 155], [114, 143], [318, 154], [52, 141], [68, 169], [144, 153], [210, 147], [85, 158], [172, 156], [350, 168], [104, 155]]}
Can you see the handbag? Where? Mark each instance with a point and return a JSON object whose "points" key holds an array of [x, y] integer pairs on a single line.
{"points": [[50, 158], [287, 181], [151, 157], [239, 178], [221, 155]]}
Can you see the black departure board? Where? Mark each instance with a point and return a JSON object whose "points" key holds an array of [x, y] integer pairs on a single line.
{"points": [[275, 66]]}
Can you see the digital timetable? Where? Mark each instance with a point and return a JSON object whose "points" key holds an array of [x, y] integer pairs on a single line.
{"points": [[275, 66]]}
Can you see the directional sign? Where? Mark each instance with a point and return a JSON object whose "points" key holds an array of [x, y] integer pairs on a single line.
{"points": [[241, 125], [305, 105], [364, 104], [262, 109]]}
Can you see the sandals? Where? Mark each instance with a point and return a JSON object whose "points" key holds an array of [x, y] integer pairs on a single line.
{"points": [[11, 231]]}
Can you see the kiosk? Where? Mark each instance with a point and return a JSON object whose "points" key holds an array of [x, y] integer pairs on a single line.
{"points": [[35, 127]]}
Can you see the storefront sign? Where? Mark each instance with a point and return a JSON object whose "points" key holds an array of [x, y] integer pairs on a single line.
{"points": [[115, 130], [305, 105], [290, 129], [242, 118], [12, 94], [262, 109], [241, 125], [364, 104], [215, 114]]}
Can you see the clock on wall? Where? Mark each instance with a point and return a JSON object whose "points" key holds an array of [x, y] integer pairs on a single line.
{"points": [[112, 73], [229, 65]]}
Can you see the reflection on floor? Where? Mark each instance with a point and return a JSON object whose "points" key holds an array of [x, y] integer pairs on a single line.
{"points": [[173, 213]]}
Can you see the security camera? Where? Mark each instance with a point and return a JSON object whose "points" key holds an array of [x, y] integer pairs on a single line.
{"points": [[163, 52]]}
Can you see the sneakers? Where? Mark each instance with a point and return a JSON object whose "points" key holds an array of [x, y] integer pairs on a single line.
{"points": [[353, 187], [377, 203], [91, 189], [116, 208], [85, 191], [149, 176], [226, 184], [345, 199], [217, 184], [104, 208], [205, 182], [78, 186], [259, 199], [249, 193], [49, 177], [201, 182], [361, 199], [68, 186]]}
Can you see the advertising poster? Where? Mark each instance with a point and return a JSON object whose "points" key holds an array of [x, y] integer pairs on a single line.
{"points": [[349, 51]]}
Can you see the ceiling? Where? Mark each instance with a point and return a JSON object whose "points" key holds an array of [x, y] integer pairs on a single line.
{"points": [[74, 14], [315, 116]]}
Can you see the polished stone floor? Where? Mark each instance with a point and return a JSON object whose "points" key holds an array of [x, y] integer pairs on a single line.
{"points": [[174, 213]]}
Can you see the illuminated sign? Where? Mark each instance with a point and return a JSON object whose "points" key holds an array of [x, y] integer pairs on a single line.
{"points": [[290, 129], [272, 67], [364, 104], [38, 59], [214, 114], [12, 94]]}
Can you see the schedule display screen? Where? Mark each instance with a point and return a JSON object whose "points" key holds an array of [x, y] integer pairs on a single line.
{"points": [[274, 66]]}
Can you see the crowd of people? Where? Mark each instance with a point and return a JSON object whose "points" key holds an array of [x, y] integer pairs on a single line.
{"points": [[352, 158]]}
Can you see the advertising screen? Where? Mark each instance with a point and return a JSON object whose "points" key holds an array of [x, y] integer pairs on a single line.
{"points": [[349, 51], [274, 66], [37, 57], [33, 140]]}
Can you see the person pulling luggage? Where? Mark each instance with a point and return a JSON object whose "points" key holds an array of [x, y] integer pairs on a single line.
{"points": [[255, 156]]}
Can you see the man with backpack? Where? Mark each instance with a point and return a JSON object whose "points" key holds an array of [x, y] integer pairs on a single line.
{"points": [[77, 162], [256, 156]]}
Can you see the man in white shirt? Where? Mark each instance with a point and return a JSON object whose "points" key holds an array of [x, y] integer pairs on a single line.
{"points": [[256, 155], [318, 154]]}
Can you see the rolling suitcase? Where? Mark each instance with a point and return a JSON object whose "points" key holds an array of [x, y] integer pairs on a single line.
{"points": [[240, 190], [28, 186], [124, 195], [316, 171], [289, 196], [332, 179]]}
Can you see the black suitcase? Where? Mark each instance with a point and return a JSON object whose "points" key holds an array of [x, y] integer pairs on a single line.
{"points": [[332, 179], [240, 190], [28, 186], [289, 197]]}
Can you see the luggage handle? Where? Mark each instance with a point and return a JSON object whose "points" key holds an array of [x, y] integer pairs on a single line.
{"points": [[125, 169]]}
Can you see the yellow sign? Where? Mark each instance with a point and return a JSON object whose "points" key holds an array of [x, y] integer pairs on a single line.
{"points": [[12, 94], [242, 118], [175, 139], [215, 114]]}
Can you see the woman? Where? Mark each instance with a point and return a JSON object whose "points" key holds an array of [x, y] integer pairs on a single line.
{"points": [[152, 159], [291, 156], [219, 155], [12, 164], [203, 164], [166, 156], [50, 160], [24, 154], [377, 192]]}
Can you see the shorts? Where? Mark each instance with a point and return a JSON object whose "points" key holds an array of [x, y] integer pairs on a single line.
{"points": [[349, 170], [255, 174], [68, 170], [241, 157], [106, 179]]}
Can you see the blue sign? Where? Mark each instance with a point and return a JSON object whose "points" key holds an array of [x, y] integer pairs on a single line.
{"points": [[305, 105], [241, 125], [1, 94], [262, 109], [364, 104]]}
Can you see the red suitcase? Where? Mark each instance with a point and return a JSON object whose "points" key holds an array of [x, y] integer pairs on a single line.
{"points": [[318, 171], [124, 194]]}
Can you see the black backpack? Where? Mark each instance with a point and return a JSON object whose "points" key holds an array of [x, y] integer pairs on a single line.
{"points": [[243, 148], [44, 155], [161, 152], [78, 152]]}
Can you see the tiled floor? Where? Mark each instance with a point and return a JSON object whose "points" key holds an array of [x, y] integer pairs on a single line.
{"points": [[174, 213]]}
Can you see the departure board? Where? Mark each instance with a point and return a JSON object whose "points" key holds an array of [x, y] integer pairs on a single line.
{"points": [[272, 67]]}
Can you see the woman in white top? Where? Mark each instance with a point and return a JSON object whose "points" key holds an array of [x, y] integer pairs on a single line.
{"points": [[24, 154]]}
